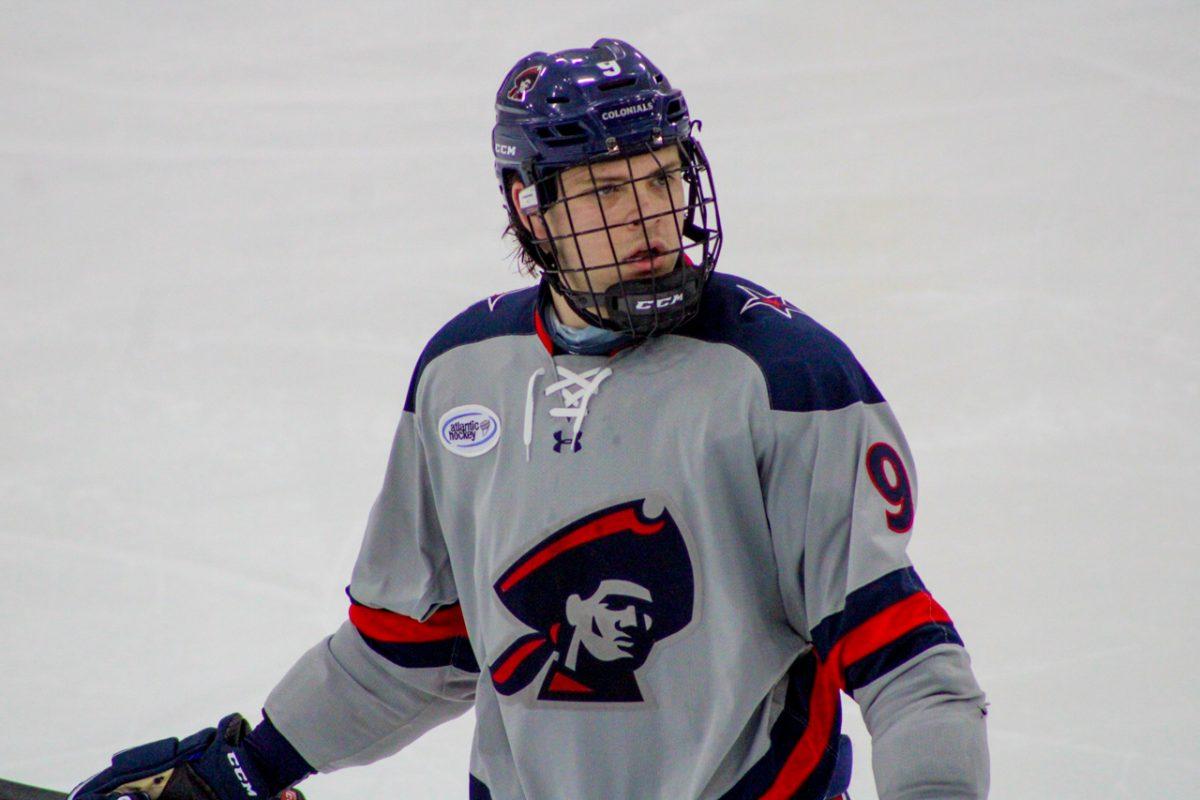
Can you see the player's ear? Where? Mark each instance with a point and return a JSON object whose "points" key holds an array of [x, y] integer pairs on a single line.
{"points": [[532, 222]]}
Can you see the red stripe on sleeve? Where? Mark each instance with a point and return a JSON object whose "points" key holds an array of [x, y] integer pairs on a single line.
{"points": [[879, 631], [886, 627], [388, 626]]}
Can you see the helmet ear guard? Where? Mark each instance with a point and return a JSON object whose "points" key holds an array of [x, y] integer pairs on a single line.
{"points": [[527, 200]]}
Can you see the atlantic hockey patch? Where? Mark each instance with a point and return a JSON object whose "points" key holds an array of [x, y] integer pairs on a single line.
{"points": [[470, 430], [771, 301], [597, 596]]}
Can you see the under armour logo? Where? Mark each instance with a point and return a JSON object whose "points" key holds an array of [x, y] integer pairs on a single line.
{"points": [[561, 440]]}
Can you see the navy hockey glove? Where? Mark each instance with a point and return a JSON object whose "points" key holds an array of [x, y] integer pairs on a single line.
{"points": [[211, 764]]}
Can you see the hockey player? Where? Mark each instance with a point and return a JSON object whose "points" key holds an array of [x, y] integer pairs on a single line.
{"points": [[647, 518]]}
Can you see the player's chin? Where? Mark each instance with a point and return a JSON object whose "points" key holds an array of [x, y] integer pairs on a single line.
{"points": [[604, 278], [635, 650]]}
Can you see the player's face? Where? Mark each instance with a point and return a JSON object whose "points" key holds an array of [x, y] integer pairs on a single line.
{"points": [[620, 219], [614, 623]]}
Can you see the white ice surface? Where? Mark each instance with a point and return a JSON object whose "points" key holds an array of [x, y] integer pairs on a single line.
{"points": [[225, 233]]}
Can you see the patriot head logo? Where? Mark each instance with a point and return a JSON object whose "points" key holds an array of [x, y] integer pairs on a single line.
{"points": [[599, 595], [522, 83]]}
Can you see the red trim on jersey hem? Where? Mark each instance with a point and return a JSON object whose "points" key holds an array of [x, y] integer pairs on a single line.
{"points": [[876, 632], [806, 755], [388, 626]]}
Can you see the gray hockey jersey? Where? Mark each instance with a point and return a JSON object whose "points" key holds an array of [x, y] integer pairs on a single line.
{"points": [[651, 572]]}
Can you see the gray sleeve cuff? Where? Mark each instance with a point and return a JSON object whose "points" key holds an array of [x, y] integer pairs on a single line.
{"points": [[342, 704], [928, 732]]}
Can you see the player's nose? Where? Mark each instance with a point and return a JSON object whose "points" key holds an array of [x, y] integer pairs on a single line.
{"points": [[648, 207]]}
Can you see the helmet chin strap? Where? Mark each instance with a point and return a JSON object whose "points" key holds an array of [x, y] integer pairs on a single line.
{"points": [[640, 307]]}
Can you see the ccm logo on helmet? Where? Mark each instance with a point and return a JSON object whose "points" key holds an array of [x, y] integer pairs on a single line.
{"points": [[617, 113], [662, 302], [506, 149]]}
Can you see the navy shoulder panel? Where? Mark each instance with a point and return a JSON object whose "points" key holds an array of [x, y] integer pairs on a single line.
{"points": [[508, 314], [806, 367]]}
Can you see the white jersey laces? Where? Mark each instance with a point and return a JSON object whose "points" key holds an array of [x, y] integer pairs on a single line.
{"points": [[576, 388]]}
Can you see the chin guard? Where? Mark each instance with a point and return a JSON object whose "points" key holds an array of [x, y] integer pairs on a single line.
{"points": [[643, 307]]}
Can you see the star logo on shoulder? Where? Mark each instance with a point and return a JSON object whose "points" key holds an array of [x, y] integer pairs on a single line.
{"points": [[771, 301]]}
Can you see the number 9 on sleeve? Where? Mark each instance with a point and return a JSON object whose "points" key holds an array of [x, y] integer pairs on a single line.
{"points": [[887, 472]]}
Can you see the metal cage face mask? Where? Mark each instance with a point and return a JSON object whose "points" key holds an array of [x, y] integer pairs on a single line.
{"points": [[631, 253]]}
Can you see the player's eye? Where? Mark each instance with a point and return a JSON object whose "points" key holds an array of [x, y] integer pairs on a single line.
{"points": [[668, 176]]}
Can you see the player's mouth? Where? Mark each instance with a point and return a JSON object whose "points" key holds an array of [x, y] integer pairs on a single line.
{"points": [[653, 260]]}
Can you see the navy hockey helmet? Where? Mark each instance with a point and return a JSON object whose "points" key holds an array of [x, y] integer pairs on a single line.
{"points": [[555, 111]]}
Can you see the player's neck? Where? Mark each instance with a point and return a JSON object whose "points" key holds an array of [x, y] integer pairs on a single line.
{"points": [[566, 315]]}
